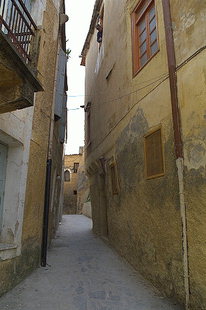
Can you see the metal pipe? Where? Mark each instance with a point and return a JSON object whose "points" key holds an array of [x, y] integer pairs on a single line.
{"points": [[46, 213], [172, 78], [177, 139]]}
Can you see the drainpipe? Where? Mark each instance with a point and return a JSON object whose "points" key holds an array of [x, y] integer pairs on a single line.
{"points": [[177, 139], [46, 213]]}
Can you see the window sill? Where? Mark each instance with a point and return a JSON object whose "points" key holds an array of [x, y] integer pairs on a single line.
{"points": [[7, 251]]}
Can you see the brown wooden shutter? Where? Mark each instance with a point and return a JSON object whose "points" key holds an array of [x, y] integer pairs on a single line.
{"points": [[154, 154]]}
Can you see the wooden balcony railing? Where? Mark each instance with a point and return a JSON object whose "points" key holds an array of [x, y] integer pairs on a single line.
{"points": [[17, 23]]}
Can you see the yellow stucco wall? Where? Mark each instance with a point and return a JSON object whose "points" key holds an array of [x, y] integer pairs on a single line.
{"points": [[190, 40], [144, 222], [144, 219]]}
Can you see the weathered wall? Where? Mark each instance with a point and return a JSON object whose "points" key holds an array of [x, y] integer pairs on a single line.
{"points": [[56, 182], [39, 118], [83, 190], [190, 38], [143, 220], [70, 199], [34, 206]]}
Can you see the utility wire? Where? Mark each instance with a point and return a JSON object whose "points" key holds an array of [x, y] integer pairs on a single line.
{"points": [[165, 75], [138, 89], [143, 82], [117, 123]]}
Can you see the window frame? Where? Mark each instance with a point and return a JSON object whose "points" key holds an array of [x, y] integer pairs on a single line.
{"points": [[65, 175], [135, 21], [100, 21], [157, 175]]}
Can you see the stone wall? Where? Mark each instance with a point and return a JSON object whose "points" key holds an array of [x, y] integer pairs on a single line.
{"points": [[70, 187]]}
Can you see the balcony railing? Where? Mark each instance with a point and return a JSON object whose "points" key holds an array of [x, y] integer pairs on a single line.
{"points": [[17, 23]]}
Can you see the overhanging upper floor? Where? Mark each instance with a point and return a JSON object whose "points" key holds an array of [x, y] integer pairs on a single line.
{"points": [[18, 56]]}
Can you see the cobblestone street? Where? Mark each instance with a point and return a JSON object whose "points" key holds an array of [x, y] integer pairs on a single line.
{"points": [[83, 273]]}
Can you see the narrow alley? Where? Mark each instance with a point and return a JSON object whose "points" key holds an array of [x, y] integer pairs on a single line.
{"points": [[83, 273]]}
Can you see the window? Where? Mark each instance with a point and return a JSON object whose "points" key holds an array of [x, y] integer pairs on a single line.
{"points": [[67, 176], [144, 34], [154, 154], [76, 166], [75, 192], [114, 179], [99, 27]]}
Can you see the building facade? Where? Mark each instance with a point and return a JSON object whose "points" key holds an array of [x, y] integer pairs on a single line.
{"points": [[71, 167], [32, 132], [146, 138]]}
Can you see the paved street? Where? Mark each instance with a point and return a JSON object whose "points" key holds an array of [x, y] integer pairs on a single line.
{"points": [[83, 274]]}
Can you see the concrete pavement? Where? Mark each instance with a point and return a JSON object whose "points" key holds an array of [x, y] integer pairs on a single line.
{"points": [[84, 274]]}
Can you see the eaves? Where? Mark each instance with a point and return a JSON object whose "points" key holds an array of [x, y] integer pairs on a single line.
{"points": [[95, 14]]}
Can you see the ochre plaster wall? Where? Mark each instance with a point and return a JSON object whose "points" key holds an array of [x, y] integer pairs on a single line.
{"points": [[190, 43], [144, 221]]}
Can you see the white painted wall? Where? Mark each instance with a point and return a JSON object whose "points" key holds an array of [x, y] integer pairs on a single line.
{"points": [[15, 132]]}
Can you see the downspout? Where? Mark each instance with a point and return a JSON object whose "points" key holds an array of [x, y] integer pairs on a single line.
{"points": [[46, 213], [177, 139]]}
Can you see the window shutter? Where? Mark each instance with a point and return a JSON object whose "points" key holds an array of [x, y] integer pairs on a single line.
{"points": [[154, 154], [60, 84]]}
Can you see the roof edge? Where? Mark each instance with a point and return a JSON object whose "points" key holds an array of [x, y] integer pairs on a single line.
{"points": [[96, 10]]}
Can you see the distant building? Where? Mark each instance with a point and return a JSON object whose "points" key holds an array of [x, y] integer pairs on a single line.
{"points": [[145, 147], [71, 167]]}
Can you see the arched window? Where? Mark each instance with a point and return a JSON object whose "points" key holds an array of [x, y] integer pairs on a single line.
{"points": [[66, 176]]}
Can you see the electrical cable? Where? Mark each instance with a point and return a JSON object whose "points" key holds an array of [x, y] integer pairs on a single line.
{"points": [[111, 130], [132, 92]]}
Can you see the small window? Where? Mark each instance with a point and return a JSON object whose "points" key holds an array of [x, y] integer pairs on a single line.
{"points": [[75, 192], [99, 27], [67, 176], [144, 34], [154, 154], [76, 166], [114, 180]]}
